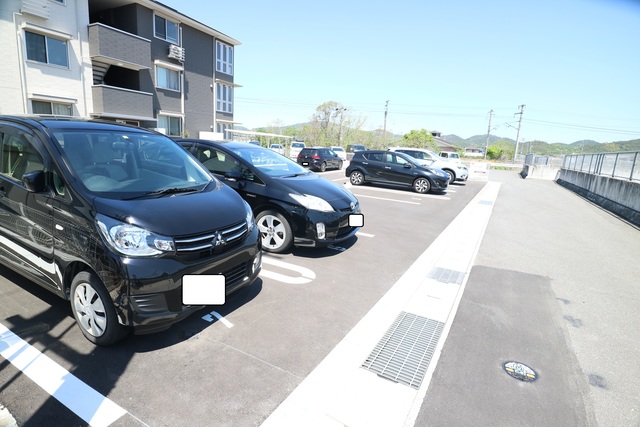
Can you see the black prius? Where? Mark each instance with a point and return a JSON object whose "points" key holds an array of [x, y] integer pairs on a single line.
{"points": [[292, 205]]}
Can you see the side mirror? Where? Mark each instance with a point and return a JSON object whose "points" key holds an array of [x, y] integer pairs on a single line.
{"points": [[34, 181], [407, 166], [233, 176]]}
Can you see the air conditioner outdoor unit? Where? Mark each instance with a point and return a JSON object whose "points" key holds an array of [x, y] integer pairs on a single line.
{"points": [[176, 52]]}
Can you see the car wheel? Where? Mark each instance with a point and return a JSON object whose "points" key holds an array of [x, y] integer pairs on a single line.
{"points": [[94, 311], [421, 185], [340, 165], [323, 167], [356, 178], [275, 231], [452, 176]]}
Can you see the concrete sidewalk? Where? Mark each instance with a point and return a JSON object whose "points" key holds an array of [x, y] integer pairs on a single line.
{"points": [[556, 286]]}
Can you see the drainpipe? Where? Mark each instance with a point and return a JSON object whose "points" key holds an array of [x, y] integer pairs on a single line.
{"points": [[23, 73]]}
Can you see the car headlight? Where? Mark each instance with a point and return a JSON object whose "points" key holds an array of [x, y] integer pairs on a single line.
{"points": [[312, 202], [251, 221], [439, 173], [131, 240]]}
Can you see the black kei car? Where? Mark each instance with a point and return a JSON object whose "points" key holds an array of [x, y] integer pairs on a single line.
{"points": [[319, 158], [292, 205], [388, 167], [120, 221]]}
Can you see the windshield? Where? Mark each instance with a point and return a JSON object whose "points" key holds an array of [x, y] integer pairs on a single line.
{"points": [[270, 162], [124, 164]]}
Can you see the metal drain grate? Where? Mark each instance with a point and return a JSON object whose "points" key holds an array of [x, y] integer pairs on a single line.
{"points": [[404, 353], [446, 276]]}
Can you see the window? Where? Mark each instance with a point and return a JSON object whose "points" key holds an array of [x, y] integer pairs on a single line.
{"points": [[171, 125], [167, 78], [46, 107], [19, 156], [46, 49], [222, 128], [224, 58], [224, 98], [166, 30]]}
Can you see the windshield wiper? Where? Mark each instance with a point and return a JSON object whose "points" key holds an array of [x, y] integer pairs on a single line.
{"points": [[164, 192], [294, 175]]}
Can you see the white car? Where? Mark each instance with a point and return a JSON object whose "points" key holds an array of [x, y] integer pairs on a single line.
{"points": [[296, 147], [278, 148], [456, 171], [340, 152]]}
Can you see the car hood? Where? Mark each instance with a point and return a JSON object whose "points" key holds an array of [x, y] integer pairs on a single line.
{"points": [[315, 185], [215, 207]]}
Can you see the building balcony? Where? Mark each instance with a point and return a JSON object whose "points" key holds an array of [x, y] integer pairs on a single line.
{"points": [[111, 46], [118, 103]]}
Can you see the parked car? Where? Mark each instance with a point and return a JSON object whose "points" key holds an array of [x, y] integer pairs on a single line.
{"points": [[456, 171], [255, 143], [387, 167], [278, 148], [340, 152], [118, 220], [353, 148], [296, 146], [319, 158], [292, 206], [451, 156]]}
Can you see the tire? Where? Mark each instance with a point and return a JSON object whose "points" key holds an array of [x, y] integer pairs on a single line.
{"points": [[452, 176], [275, 232], [421, 185], [94, 311], [323, 167], [356, 178], [340, 165]]}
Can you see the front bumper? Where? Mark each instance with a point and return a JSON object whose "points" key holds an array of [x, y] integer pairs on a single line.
{"points": [[155, 285], [336, 225]]}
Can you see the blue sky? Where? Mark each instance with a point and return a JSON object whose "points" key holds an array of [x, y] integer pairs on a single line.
{"points": [[443, 66]]}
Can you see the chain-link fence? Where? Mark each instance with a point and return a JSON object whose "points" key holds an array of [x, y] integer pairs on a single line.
{"points": [[617, 165]]}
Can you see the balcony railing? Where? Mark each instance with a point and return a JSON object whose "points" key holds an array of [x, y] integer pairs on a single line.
{"points": [[116, 47], [624, 165], [113, 101]]}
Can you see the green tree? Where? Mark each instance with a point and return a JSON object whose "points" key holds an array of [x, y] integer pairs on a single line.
{"points": [[501, 150], [420, 139]]}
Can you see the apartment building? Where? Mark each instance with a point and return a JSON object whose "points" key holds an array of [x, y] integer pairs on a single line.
{"points": [[132, 61]]}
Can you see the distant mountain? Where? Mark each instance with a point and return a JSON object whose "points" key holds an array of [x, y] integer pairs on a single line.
{"points": [[474, 141], [585, 142]]}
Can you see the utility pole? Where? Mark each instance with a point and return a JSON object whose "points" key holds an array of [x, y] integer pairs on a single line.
{"points": [[384, 130], [521, 107], [488, 133]]}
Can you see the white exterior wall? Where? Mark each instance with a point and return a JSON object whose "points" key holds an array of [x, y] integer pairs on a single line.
{"points": [[22, 80]]}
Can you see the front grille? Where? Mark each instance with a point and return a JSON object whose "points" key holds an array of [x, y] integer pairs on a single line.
{"points": [[222, 240]]}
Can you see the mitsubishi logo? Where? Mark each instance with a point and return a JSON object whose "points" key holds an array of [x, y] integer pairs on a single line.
{"points": [[218, 240]]}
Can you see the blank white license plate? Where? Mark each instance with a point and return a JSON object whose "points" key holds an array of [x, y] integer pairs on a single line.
{"points": [[203, 289], [305, 163]]}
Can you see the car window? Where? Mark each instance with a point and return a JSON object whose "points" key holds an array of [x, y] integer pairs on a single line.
{"points": [[220, 163], [19, 156], [126, 164], [377, 157]]}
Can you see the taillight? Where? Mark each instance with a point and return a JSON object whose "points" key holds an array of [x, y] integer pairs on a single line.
{"points": [[299, 155], [316, 157]]}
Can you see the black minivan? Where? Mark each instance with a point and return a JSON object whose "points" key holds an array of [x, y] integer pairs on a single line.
{"points": [[120, 221]]}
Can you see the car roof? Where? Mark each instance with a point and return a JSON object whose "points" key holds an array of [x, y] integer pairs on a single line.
{"points": [[67, 123]]}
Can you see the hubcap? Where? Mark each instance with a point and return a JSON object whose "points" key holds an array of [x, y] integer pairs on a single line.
{"points": [[90, 310], [272, 232], [422, 186]]}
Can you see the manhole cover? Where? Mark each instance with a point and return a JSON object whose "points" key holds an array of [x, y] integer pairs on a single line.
{"points": [[520, 371]]}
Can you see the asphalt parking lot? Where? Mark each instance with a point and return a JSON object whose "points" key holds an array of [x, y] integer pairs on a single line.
{"points": [[226, 365]]}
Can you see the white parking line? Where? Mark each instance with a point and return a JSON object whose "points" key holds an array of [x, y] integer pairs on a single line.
{"points": [[305, 276], [359, 233], [392, 191], [218, 316], [384, 198], [85, 402]]}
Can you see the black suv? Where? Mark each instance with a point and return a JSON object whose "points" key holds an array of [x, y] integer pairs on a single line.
{"points": [[120, 221], [389, 167], [319, 158]]}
